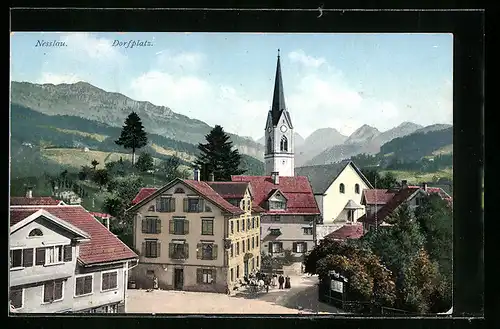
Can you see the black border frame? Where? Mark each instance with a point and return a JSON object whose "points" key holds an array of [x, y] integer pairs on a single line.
{"points": [[468, 29]]}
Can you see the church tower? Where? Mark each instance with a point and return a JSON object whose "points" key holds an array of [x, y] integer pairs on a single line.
{"points": [[279, 153]]}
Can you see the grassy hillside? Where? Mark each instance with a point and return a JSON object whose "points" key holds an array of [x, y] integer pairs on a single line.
{"points": [[416, 177]]}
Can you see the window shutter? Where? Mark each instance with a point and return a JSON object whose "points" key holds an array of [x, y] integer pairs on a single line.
{"points": [[28, 257], [186, 226], [199, 250], [144, 248], [214, 276], [201, 205], [305, 246], [158, 225], [186, 205], [144, 226], [171, 226], [214, 252], [172, 204], [40, 256], [158, 205], [294, 247], [186, 250], [171, 250], [68, 253], [199, 275], [158, 248], [270, 247]]}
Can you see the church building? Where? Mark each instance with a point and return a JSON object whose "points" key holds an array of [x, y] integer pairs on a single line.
{"points": [[289, 210]]}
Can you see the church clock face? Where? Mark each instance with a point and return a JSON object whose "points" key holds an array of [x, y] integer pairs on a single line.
{"points": [[283, 129]]}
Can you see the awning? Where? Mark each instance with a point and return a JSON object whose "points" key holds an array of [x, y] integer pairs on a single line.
{"points": [[352, 205]]}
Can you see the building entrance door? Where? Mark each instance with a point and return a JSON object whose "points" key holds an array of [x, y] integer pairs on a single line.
{"points": [[178, 278], [246, 268]]}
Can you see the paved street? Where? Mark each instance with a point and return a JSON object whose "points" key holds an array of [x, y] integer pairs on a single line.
{"points": [[301, 298]]}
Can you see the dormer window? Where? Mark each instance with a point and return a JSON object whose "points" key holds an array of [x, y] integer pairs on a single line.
{"points": [[36, 232], [275, 232], [277, 205], [342, 188], [284, 144], [356, 188]]}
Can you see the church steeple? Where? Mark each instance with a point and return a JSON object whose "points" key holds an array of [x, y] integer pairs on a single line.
{"points": [[278, 104]]}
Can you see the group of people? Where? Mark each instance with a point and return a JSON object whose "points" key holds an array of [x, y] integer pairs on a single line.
{"points": [[284, 283], [265, 280]]}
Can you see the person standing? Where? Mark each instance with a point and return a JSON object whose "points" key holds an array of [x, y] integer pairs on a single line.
{"points": [[287, 282], [281, 280], [155, 282]]}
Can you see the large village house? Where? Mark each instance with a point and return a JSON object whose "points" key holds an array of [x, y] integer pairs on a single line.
{"points": [[63, 260], [195, 235]]}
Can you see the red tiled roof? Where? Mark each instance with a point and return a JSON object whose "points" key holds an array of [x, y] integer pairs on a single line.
{"points": [[206, 191], [34, 201], [103, 246], [439, 191], [297, 190], [400, 197], [377, 196], [100, 215], [143, 194], [258, 209], [348, 231], [18, 214], [229, 190]]}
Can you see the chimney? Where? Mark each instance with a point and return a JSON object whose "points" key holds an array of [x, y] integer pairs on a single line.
{"points": [[404, 184], [211, 177], [424, 186], [29, 193], [276, 177], [196, 174]]}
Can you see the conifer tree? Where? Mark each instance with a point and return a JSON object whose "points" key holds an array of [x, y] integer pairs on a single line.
{"points": [[133, 135]]}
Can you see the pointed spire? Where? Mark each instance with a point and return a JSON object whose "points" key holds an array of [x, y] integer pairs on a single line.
{"points": [[278, 104]]}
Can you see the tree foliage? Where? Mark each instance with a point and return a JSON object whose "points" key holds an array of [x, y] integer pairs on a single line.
{"points": [[217, 156], [101, 178], [386, 181], [133, 136], [94, 163], [145, 162], [171, 169]]}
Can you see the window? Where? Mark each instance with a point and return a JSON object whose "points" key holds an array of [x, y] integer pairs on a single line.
{"points": [[257, 221], [243, 246], [206, 251], [232, 227], [20, 258], [356, 188], [36, 232], [275, 247], [83, 284], [17, 298], [179, 226], [237, 225], [284, 144], [151, 248], [151, 208], [53, 255], [237, 248], [342, 188], [207, 208], [248, 244], [299, 247], [308, 230], [165, 204], [179, 190], [277, 205], [207, 226], [237, 271], [350, 215], [257, 261], [53, 291], [205, 276], [232, 275], [109, 280], [253, 264], [275, 232], [179, 250], [194, 205], [253, 242], [253, 222], [243, 225], [269, 145], [232, 250], [257, 241], [151, 225]]}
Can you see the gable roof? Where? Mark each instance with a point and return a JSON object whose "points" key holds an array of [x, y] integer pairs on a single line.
{"points": [[143, 193], [201, 188], [376, 196], [348, 231], [23, 218], [322, 176], [399, 198], [439, 191], [103, 247], [296, 189], [230, 190], [34, 201]]}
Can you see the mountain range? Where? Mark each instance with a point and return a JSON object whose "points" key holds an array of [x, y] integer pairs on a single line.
{"points": [[72, 115]]}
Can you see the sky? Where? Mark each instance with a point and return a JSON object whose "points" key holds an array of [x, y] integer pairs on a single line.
{"points": [[340, 81]]}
